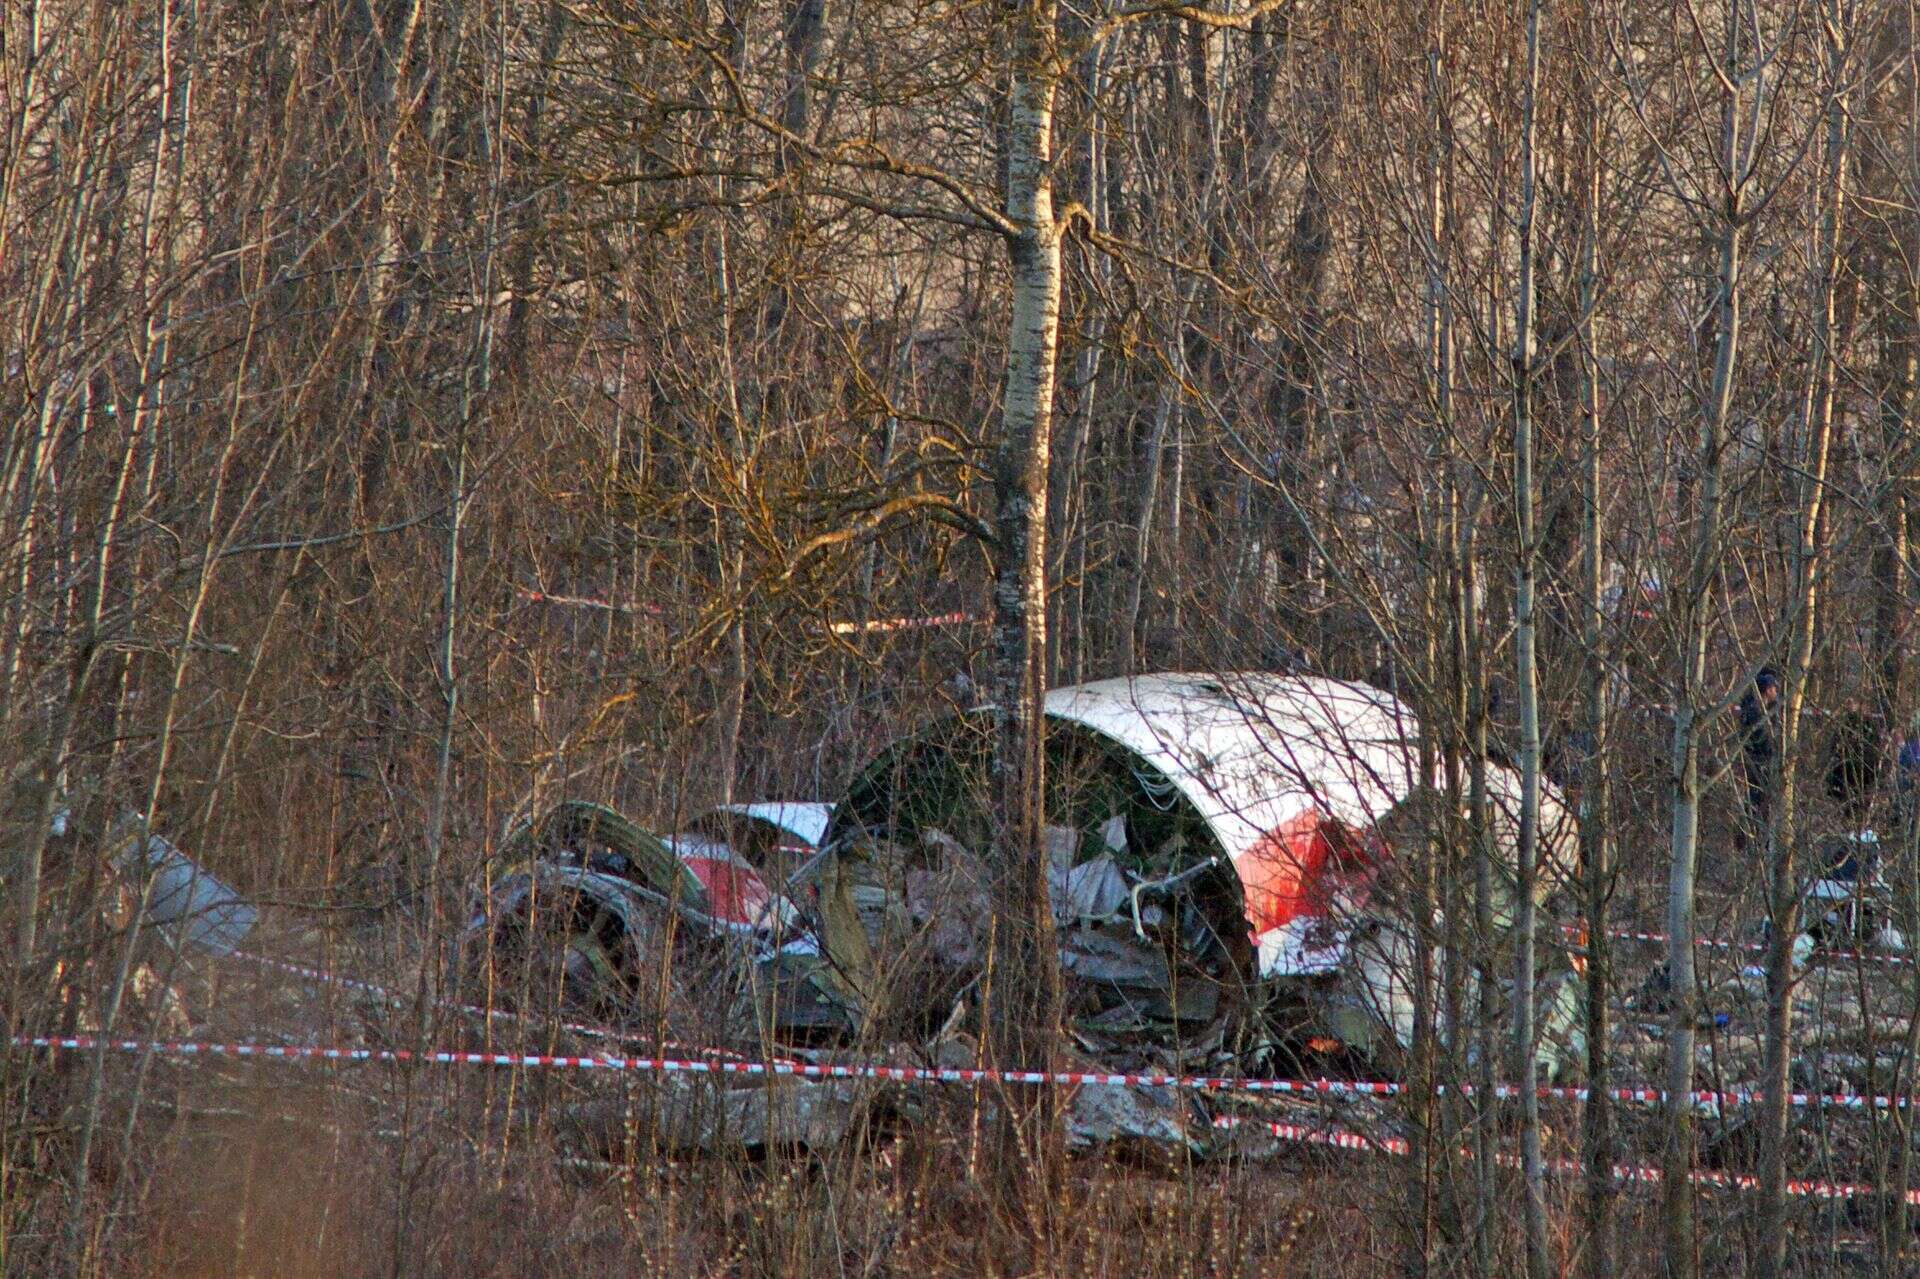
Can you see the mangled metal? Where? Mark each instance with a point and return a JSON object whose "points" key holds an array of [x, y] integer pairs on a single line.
{"points": [[694, 1115], [1217, 849], [593, 905], [182, 897], [1212, 839]]}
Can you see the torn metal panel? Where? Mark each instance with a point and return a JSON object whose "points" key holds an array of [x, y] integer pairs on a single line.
{"points": [[593, 850], [1102, 1115], [604, 916], [1147, 914], [600, 839], [778, 839], [694, 1115], [1205, 833], [1369, 1005], [184, 898], [1088, 892], [1295, 778], [732, 891], [803, 823]]}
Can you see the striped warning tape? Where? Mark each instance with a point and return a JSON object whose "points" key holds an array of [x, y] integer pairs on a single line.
{"points": [[1289, 1132], [838, 628], [581, 601], [905, 624], [1705, 943], [1284, 1131], [1756, 948], [322, 1052], [397, 1000], [1343, 1140], [690, 1065], [730, 1065]]}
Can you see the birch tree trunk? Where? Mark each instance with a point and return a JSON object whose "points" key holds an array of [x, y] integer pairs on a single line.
{"points": [[1022, 987], [1689, 686], [1783, 896], [1595, 790], [1451, 901], [1526, 679]]}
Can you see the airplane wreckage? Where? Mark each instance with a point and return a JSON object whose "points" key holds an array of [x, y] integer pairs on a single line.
{"points": [[1218, 853], [1229, 858]]}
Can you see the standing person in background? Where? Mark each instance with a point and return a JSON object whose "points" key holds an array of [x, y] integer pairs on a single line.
{"points": [[1905, 867], [1906, 780], [1759, 743]]}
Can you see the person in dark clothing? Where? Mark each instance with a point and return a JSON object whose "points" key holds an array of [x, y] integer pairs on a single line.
{"points": [[1759, 743], [1906, 785]]}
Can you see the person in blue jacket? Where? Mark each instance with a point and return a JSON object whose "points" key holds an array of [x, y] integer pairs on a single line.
{"points": [[1906, 778], [1759, 744]]}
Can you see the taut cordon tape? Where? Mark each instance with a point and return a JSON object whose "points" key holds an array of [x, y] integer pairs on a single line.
{"points": [[1343, 1140], [897, 1074], [838, 628], [1287, 1132], [1757, 948], [396, 1000]]}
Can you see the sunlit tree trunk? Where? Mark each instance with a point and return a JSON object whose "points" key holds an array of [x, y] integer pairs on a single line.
{"points": [[1595, 783], [1689, 685], [1527, 678], [1023, 982], [1811, 483]]}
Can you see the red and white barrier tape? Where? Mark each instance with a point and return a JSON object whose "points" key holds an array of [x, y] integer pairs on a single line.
{"points": [[1705, 943], [1756, 948], [581, 601], [670, 1065], [322, 1052], [1290, 1132], [905, 624], [838, 628], [718, 1064], [1343, 1140], [397, 1000]]}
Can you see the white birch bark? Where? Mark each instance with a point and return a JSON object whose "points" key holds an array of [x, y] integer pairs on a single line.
{"points": [[1526, 679], [1595, 791], [1023, 981], [1689, 686], [1783, 895]]}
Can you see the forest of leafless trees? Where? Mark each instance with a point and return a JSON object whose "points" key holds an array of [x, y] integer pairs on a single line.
{"points": [[415, 412]]}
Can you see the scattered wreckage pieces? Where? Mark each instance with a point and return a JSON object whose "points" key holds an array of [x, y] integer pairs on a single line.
{"points": [[698, 1113], [183, 899], [694, 1115], [1146, 1121], [1149, 920], [778, 838], [596, 914], [180, 907], [1216, 849]]}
